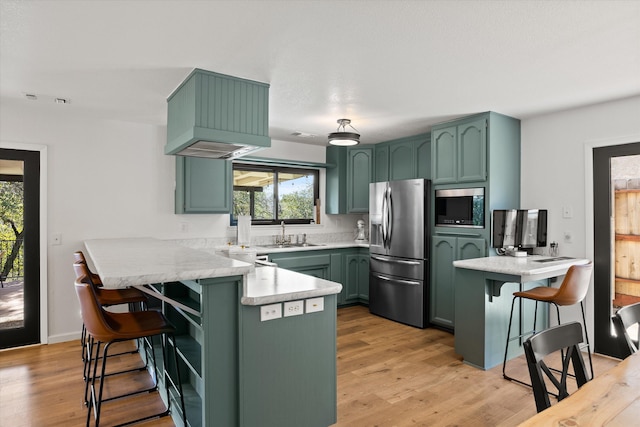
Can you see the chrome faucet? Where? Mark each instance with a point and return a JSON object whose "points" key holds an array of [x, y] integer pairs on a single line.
{"points": [[283, 238]]}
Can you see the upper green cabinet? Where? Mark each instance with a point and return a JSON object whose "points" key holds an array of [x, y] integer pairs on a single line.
{"points": [[459, 152], [348, 179], [405, 158], [203, 185]]}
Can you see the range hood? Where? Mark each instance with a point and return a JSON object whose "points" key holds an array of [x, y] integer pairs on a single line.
{"points": [[217, 116]]}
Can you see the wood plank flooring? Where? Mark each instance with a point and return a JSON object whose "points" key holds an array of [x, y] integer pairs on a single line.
{"points": [[389, 375]]}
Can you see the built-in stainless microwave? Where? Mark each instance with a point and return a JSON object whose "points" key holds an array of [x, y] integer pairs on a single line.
{"points": [[460, 207]]}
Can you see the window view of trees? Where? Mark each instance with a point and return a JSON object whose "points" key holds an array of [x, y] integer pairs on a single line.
{"points": [[11, 228], [255, 193]]}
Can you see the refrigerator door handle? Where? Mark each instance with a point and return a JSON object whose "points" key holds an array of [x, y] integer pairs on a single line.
{"points": [[398, 261], [384, 219], [390, 218], [404, 282]]}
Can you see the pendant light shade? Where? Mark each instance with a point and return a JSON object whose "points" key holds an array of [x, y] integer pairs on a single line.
{"points": [[343, 137]]}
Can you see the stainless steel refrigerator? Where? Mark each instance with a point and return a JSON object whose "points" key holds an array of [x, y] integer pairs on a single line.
{"points": [[399, 245]]}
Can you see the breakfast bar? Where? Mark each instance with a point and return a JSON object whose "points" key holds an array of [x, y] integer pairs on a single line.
{"points": [[244, 359], [483, 293]]}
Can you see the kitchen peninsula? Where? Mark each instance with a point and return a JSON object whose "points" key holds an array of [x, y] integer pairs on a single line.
{"points": [[484, 290], [240, 370]]}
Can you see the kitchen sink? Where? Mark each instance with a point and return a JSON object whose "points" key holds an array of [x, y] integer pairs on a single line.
{"points": [[292, 245]]}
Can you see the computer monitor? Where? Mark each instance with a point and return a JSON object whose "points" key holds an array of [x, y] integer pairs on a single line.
{"points": [[519, 228]]}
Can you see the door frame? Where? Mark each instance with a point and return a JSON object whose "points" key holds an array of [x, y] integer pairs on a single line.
{"points": [[589, 211], [42, 149]]}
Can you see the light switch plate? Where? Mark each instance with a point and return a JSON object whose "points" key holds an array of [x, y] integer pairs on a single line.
{"points": [[315, 304]]}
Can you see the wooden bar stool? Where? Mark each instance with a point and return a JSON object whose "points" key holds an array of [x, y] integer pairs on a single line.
{"points": [[573, 290], [107, 328]]}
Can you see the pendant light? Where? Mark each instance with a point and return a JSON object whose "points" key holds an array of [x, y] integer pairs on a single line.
{"points": [[344, 138]]}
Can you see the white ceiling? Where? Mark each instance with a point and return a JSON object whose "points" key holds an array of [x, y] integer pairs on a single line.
{"points": [[393, 67]]}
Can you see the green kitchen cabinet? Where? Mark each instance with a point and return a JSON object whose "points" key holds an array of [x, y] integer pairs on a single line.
{"points": [[405, 158], [308, 262], [356, 277], [349, 174], [203, 185], [347, 266], [447, 249], [459, 152], [359, 176]]}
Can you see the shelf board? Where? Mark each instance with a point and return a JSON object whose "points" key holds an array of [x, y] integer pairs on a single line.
{"points": [[191, 352]]}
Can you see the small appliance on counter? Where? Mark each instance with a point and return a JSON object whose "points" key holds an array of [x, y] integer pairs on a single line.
{"points": [[360, 232]]}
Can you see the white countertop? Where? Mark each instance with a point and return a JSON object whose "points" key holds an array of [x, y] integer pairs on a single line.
{"points": [[316, 247], [140, 261], [268, 285], [528, 268]]}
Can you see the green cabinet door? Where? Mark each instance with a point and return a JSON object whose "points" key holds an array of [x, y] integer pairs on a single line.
{"points": [[336, 182], [444, 166], [203, 185], [447, 249], [472, 151], [441, 309], [402, 161], [382, 163], [459, 152], [317, 265], [359, 174], [352, 277]]}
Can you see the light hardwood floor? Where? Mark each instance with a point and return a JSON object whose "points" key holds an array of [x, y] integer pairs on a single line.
{"points": [[389, 375]]}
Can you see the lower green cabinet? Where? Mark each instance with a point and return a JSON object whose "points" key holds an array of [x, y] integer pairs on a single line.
{"points": [[447, 249], [356, 278], [349, 267]]}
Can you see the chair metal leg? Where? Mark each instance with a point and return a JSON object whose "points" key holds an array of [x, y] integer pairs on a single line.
{"points": [[586, 337]]}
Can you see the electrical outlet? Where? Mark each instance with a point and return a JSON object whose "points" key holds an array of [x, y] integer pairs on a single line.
{"points": [[184, 227], [293, 308], [270, 312], [315, 304]]}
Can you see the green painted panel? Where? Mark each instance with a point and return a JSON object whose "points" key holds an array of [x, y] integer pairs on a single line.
{"points": [[352, 277], [382, 163], [423, 158], [336, 181], [363, 277], [220, 351], [472, 151], [289, 369], [203, 185], [470, 247]]}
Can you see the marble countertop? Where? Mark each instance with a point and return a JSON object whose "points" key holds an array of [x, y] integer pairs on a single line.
{"points": [[140, 261], [316, 247], [268, 285], [530, 267]]}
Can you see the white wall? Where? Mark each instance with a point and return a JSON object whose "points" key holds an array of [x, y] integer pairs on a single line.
{"points": [[556, 172], [111, 179]]}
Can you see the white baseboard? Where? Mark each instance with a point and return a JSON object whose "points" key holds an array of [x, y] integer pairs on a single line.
{"points": [[54, 339]]}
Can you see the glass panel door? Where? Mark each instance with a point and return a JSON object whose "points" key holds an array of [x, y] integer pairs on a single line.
{"points": [[19, 248]]}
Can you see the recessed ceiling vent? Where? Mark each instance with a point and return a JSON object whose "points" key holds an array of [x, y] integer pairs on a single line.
{"points": [[217, 116]]}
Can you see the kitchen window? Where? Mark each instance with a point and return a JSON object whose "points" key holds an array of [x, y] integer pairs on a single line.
{"points": [[272, 194]]}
